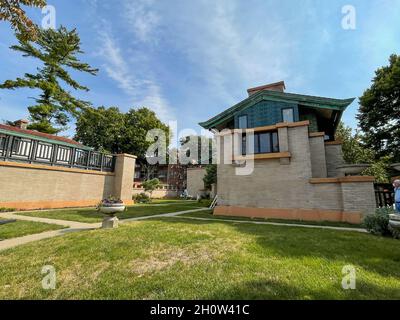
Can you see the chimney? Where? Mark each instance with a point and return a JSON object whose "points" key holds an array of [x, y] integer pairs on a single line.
{"points": [[22, 124], [277, 86]]}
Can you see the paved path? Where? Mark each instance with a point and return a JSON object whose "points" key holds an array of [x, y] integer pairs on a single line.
{"points": [[73, 226], [66, 223], [14, 242], [280, 224]]}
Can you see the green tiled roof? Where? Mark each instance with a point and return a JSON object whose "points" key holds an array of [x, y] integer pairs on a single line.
{"points": [[304, 100]]}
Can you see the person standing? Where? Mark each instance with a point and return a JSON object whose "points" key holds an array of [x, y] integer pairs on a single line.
{"points": [[396, 185]]}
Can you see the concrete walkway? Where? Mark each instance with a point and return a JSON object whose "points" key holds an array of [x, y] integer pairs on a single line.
{"points": [[280, 224], [73, 226]]}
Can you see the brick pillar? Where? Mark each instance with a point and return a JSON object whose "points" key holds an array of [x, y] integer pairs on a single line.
{"points": [[283, 137], [124, 175], [358, 197]]}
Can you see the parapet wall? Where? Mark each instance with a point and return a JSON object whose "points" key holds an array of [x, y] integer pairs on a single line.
{"points": [[30, 186]]}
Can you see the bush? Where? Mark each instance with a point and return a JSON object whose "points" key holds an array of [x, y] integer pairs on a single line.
{"points": [[2, 209], [141, 198], [205, 202], [378, 223]]}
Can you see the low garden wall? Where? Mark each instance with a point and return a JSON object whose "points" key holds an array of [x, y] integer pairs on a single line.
{"points": [[30, 186]]}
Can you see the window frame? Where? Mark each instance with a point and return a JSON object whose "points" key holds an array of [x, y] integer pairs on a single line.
{"points": [[288, 108], [257, 139], [247, 121]]}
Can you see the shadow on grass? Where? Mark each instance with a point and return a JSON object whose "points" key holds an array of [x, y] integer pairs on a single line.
{"points": [[372, 253], [279, 290]]}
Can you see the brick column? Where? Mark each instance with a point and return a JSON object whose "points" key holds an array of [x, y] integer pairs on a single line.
{"points": [[283, 137], [124, 175], [358, 197]]}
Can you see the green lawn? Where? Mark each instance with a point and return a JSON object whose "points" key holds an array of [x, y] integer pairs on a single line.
{"points": [[173, 258], [208, 215], [24, 228], [92, 216]]}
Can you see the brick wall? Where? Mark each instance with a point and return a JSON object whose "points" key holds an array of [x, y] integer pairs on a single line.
{"points": [[30, 186], [195, 183], [318, 158], [334, 158], [276, 184]]}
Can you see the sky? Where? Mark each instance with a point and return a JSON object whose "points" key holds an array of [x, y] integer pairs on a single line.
{"points": [[189, 60]]}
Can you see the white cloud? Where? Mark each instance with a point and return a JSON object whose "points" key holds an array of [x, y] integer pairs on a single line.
{"points": [[143, 91], [143, 20]]}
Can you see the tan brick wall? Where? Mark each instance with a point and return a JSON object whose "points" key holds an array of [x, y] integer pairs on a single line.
{"points": [[29, 186], [334, 158], [157, 194], [359, 197], [195, 183], [318, 159], [275, 185]]}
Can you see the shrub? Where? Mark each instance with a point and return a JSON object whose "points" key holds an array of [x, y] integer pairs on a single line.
{"points": [[7, 209], [141, 198], [378, 223]]}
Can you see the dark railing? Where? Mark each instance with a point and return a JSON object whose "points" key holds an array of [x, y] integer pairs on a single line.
{"points": [[384, 195], [34, 151]]}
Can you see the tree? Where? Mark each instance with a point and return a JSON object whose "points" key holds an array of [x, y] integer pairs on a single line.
{"points": [[102, 129], [11, 11], [116, 132], [211, 176], [138, 122], [354, 152], [379, 111], [57, 49], [151, 185]]}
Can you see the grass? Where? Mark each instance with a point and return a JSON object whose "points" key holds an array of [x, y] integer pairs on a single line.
{"points": [[173, 258], [93, 216], [209, 215], [24, 228]]}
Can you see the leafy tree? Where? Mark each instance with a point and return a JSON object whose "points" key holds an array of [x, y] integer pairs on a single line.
{"points": [[138, 122], [379, 112], [57, 49], [11, 11], [355, 152], [211, 176], [116, 132], [151, 185], [102, 129]]}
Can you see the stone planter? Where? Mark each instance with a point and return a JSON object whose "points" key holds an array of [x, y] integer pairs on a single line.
{"points": [[394, 221], [352, 169], [110, 210], [396, 166]]}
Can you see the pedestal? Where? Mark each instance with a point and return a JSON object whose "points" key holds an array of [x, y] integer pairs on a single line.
{"points": [[110, 223], [394, 221]]}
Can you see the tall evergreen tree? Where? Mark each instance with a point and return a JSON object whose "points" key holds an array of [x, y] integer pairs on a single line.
{"points": [[379, 112], [11, 10], [58, 50]]}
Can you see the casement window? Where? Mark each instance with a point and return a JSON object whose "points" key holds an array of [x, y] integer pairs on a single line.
{"points": [[243, 122], [288, 115], [264, 142]]}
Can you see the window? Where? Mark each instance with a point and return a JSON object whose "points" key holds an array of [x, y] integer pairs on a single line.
{"points": [[264, 142], [243, 122], [287, 115]]}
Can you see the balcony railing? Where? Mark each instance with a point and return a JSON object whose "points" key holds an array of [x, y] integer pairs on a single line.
{"points": [[19, 149]]}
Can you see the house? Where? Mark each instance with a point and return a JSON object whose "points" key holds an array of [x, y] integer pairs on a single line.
{"points": [[289, 142], [172, 178]]}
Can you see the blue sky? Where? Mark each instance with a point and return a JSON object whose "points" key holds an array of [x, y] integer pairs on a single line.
{"points": [[189, 60]]}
